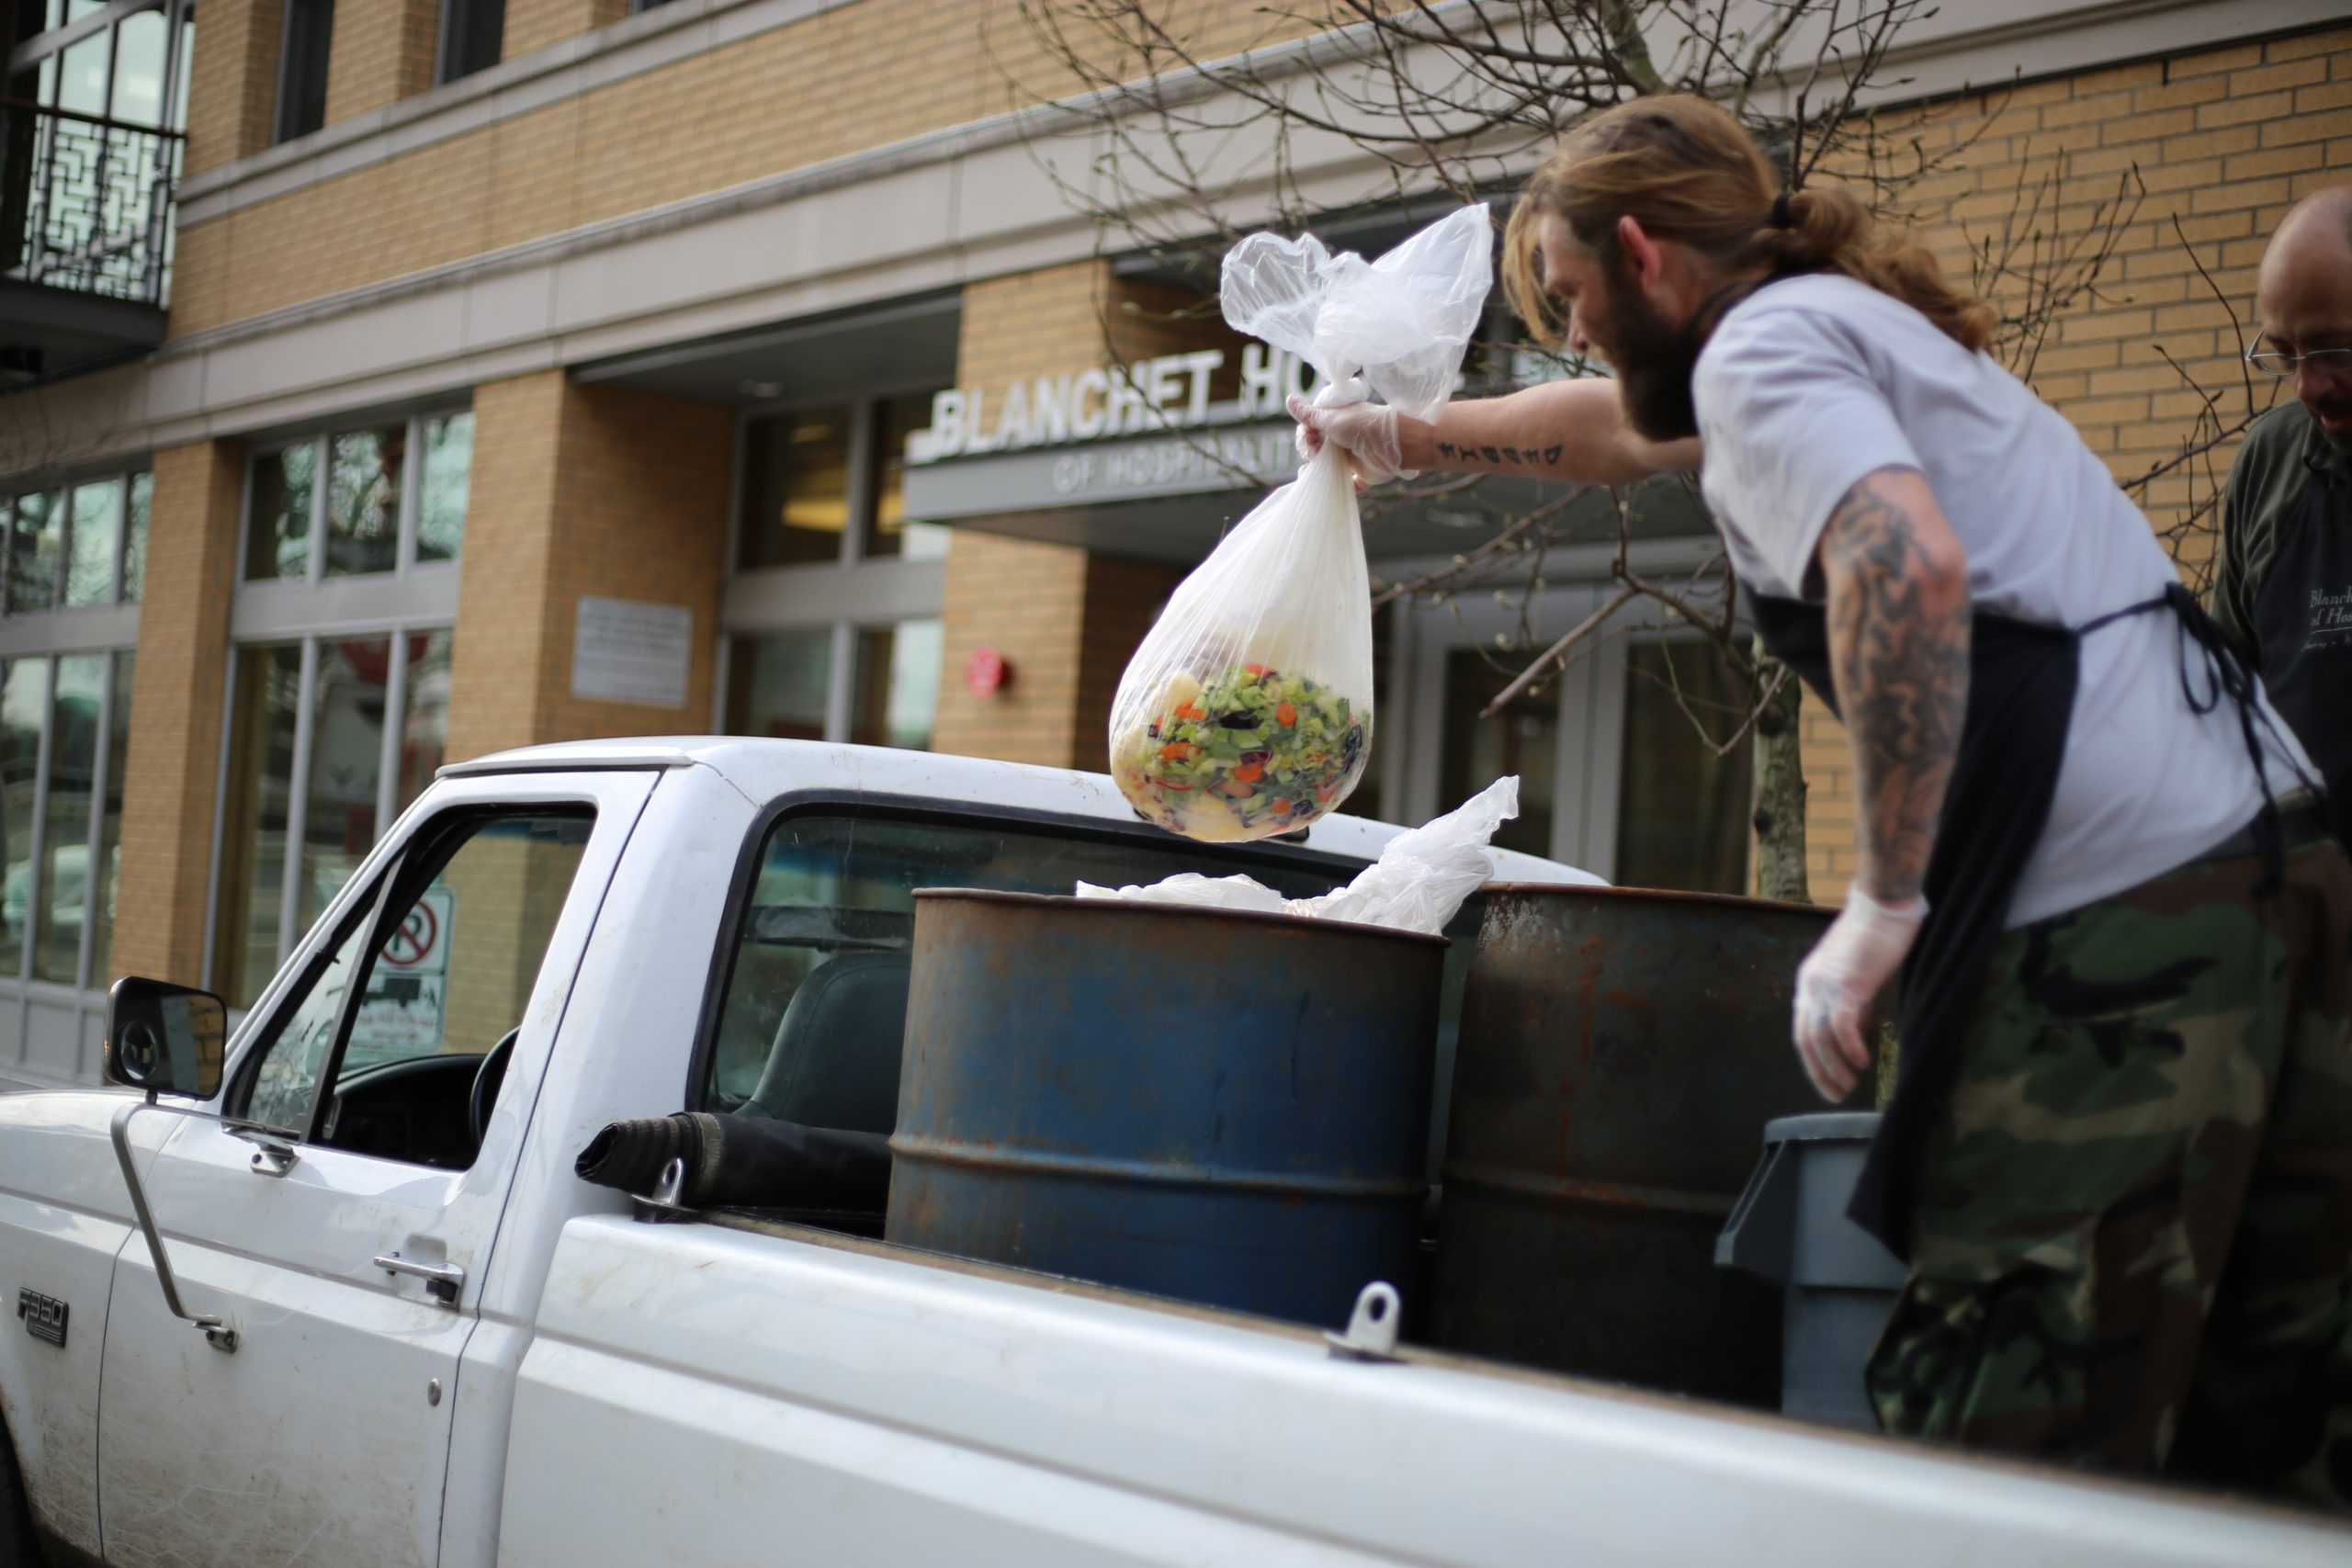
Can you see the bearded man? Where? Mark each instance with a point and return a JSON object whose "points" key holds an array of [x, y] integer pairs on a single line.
{"points": [[2084, 838]]}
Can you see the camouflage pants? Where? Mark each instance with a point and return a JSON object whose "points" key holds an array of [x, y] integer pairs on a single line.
{"points": [[2132, 1244]]}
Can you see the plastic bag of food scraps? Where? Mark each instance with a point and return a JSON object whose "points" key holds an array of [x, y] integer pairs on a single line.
{"points": [[1246, 711], [1417, 884]]}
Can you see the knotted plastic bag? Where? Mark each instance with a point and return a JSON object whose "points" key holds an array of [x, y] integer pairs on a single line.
{"points": [[1246, 711], [1417, 884]]}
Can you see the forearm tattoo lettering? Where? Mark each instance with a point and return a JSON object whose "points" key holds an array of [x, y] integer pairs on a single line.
{"points": [[1500, 457], [1898, 647]]}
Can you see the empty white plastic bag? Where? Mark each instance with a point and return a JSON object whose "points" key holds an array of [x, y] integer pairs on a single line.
{"points": [[1247, 710], [1417, 884]]}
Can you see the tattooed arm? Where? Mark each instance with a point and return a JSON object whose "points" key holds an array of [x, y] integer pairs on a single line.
{"points": [[1573, 430], [1896, 583]]}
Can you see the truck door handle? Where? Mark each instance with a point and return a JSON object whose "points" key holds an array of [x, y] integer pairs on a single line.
{"points": [[443, 1280]]}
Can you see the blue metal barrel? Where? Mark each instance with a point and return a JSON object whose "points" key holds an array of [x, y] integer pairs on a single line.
{"points": [[1229, 1108]]}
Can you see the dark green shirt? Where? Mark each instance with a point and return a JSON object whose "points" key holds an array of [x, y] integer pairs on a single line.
{"points": [[2264, 484]]}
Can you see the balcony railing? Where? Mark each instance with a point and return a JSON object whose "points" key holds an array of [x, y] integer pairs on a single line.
{"points": [[86, 203]]}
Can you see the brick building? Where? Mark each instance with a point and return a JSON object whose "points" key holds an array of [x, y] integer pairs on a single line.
{"points": [[471, 374]]}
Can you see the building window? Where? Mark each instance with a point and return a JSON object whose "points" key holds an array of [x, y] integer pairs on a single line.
{"points": [[1683, 805], [302, 67], [796, 488], [379, 499], [779, 686], [472, 31], [882, 689], [896, 688], [808, 473], [889, 532], [1523, 738], [64, 736], [816, 655], [77, 545], [76, 553], [330, 738]]}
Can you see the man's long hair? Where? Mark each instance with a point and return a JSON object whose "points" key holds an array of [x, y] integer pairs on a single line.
{"points": [[1684, 169]]}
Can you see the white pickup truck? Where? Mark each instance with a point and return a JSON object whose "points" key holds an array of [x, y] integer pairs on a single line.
{"points": [[393, 1326]]}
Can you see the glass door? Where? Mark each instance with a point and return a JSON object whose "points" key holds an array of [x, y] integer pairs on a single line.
{"points": [[1633, 763]]}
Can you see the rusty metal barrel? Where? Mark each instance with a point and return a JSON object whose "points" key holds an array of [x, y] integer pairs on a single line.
{"points": [[1229, 1108], [1621, 1051]]}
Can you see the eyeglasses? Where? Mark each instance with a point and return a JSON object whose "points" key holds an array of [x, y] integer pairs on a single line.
{"points": [[2333, 361]]}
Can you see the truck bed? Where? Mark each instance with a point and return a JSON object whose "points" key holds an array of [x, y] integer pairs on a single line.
{"points": [[768, 1390]]}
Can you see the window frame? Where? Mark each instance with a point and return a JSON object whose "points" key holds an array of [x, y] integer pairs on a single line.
{"points": [[405, 566], [1661, 631], [63, 487], [108, 630], [280, 117], [388, 814], [446, 32], [1591, 693], [94, 836], [26, 54], [852, 594], [425, 854]]}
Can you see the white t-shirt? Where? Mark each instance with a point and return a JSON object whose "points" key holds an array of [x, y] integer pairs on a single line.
{"points": [[1812, 383]]}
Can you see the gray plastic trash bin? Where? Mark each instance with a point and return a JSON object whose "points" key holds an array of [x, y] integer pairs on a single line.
{"points": [[1790, 1226]]}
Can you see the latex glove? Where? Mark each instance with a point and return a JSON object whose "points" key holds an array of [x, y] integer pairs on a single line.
{"points": [[1366, 432], [1839, 979]]}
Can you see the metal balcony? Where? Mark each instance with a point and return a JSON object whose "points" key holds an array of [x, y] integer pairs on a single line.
{"points": [[86, 239]]}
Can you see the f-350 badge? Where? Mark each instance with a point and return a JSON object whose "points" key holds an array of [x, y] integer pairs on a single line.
{"points": [[44, 1317]]}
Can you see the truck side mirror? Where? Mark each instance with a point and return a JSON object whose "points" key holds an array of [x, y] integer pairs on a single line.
{"points": [[165, 1039]]}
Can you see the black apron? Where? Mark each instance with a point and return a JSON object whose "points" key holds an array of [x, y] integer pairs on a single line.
{"points": [[2302, 624], [2022, 680]]}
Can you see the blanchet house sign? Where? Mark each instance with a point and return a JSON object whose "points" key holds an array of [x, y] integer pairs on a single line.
{"points": [[1115, 432]]}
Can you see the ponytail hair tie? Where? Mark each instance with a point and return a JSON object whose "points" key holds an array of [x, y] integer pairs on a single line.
{"points": [[1780, 219]]}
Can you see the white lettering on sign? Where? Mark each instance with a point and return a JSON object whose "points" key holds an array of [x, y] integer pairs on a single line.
{"points": [[626, 651], [1097, 403], [1266, 456]]}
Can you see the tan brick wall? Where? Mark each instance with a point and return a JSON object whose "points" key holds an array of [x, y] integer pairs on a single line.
{"points": [[176, 712], [2226, 140], [1066, 619], [855, 77], [232, 81], [581, 491], [1021, 599], [1122, 598], [383, 52]]}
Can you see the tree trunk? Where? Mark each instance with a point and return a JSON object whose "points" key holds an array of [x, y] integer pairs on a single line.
{"points": [[1779, 789]]}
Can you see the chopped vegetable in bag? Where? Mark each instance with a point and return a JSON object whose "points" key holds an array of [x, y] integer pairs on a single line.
{"points": [[1256, 750]]}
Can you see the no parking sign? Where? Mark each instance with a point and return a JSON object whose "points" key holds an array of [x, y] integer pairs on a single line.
{"points": [[402, 1015], [421, 945]]}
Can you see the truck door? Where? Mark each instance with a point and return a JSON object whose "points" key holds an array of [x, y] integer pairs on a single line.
{"points": [[344, 1235]]}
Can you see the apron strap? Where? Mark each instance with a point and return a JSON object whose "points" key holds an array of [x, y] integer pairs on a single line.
{"points": [[2227, 676]]}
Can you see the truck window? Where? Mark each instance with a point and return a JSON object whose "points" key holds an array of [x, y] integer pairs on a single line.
{"points": [[445, 988], [815, 1000]]}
